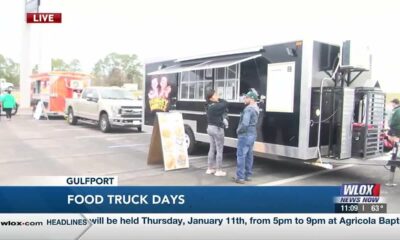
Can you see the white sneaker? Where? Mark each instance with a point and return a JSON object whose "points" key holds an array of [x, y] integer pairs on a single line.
{"points": [[220, 173], [210, 171]]}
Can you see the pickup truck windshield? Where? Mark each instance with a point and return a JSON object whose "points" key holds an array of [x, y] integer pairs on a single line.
{"points": [[115, 94]]}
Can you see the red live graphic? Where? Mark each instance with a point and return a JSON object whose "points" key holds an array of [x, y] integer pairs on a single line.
{"points": [[43, 18]]}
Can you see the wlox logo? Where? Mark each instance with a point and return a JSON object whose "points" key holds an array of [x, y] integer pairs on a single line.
{"points": [[359, 193], [360, 190], [14, 223]]}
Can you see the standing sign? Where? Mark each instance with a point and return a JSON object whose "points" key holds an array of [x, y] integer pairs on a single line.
{"points": [[168, 142], [40, 110]]}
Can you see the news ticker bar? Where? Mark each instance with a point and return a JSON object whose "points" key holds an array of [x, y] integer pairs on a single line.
{"points": [[199, 226], [112, 199]]}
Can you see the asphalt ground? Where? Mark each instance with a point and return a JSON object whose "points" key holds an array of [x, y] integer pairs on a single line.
{"points": [[30, 147]]}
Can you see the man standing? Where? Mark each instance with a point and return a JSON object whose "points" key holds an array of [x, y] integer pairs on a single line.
{"points": [[8, 103], [247, 134], [395, 119]]}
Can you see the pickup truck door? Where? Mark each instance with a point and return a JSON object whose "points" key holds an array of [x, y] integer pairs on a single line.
{"points": [[92, 105], [80, 104]]}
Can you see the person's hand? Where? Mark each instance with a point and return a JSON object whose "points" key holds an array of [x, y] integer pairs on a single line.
{"points": [[393, 139], [226, 123]]}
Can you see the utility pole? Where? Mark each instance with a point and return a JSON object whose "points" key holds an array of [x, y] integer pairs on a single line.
{"points": [[26, 66]]}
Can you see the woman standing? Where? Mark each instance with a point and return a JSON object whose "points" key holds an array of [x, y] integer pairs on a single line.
{"points": [[8, 103], [216, 109]]}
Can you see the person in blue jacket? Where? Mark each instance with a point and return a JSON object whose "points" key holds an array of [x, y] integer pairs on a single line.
{"points": [[247, 134]]}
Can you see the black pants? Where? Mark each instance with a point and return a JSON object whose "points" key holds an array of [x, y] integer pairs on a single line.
{"points": [[8, 112]]}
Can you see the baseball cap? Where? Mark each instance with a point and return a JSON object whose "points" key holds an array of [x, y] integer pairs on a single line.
{"points": [[252, 95]]}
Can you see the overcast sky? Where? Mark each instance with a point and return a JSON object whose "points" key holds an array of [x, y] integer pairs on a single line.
{"points": [[160, 29]]}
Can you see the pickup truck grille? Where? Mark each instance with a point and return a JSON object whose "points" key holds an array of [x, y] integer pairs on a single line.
{"points": [[128, 111], [132, 107]]}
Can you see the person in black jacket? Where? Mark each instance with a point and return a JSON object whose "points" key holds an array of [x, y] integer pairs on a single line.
{"points": [[216, 109], [395, 119]]}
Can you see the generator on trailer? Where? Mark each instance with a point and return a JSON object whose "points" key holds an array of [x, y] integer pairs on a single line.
{"points": [[313, 96]]}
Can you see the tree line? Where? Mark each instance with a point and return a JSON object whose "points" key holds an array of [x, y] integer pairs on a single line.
{"points": [[113, 70]]}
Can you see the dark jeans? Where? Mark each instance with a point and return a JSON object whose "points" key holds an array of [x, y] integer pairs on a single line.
{"points": [[245, 158], [8, 112]]}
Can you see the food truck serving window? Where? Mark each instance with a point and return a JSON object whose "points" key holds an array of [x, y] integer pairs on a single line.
{"points": [[227, 82], [194, 84]]}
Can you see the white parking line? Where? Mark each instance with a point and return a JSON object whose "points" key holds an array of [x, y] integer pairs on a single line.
{"points": [[128, 145], [110, 135], [68, 129], [301, 177], [114, 138], [198, 157]]}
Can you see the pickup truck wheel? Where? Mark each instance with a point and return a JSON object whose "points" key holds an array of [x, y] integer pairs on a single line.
{"points": [[104, 123], [139, 129], [72, 120]]}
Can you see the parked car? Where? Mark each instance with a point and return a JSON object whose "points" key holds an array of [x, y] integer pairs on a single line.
{"points": [[109, 107], [4, 85]]}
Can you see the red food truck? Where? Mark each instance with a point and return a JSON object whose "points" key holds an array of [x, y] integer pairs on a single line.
{"points": [[53, 88]]}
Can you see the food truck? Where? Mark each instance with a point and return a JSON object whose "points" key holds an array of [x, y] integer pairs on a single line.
{"points": [[53, 88], [311, 95]]}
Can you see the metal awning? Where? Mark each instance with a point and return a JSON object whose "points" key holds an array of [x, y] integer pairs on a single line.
{"points": [[209, 64]]}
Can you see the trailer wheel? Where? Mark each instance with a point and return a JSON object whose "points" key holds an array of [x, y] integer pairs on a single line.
{"points": [[72, 120], [190, 141], [104, 123]]}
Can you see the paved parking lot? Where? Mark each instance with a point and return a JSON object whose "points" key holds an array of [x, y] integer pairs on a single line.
{"points": [[53, 148]]}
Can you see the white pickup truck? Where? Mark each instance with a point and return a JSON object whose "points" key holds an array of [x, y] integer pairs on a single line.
{"points": [[4, 85], [109, 107]]}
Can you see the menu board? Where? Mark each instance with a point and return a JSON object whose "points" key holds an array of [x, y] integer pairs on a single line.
{"points": [[169, 134], [280, 87]]}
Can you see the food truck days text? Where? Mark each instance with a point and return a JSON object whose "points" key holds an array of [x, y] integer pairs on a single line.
{"points": [[126, 199]]}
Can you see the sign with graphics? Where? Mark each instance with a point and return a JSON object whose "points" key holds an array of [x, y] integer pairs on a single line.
{"points": [[168, 142], [40, 110], [159, 94], [34, 16], [43, 18]]}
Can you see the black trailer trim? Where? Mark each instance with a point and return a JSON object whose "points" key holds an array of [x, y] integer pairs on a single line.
{"points": [[209, 64]]}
